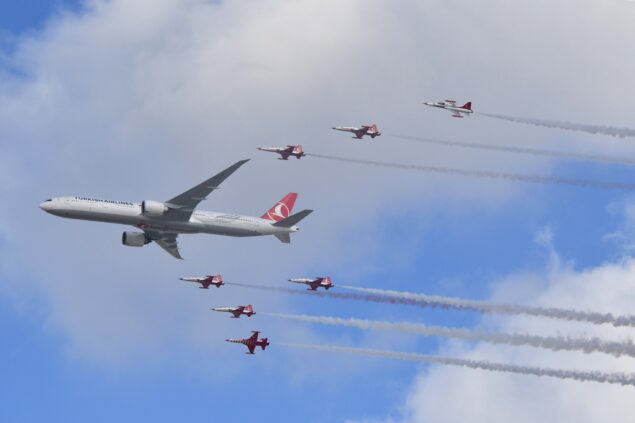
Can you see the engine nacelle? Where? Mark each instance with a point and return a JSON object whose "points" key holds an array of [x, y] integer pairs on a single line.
{"points": [[153, 208], [134, 239]]}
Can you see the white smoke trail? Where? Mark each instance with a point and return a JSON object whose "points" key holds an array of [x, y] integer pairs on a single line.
{"points": [[623, 379], [591, 129], [554, 343], [583, 183], [383, 296], [489, 307], [521, 150]]}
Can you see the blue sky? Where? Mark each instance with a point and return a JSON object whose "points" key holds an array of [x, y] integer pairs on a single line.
{"points": [[126, 101], [30, 15]]}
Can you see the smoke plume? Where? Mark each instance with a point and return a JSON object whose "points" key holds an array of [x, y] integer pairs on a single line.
{"points": [[517, 177], [624, 379], [489, 307], [554, 343], [433, 301], [591, 129], [521, 150]]}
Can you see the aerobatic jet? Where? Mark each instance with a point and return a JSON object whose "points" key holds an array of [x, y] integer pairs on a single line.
{"points": [[370, 130], [252, 342], [450, 105], [162, 222], [285, 152], [315, 283], [206, 281], [237, 311]]}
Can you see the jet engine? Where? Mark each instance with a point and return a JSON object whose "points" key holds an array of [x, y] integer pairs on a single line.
{"points": [[134, 239], [153, 208]]}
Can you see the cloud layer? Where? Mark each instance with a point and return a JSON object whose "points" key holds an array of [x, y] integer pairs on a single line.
{"points": [[141, 100]]}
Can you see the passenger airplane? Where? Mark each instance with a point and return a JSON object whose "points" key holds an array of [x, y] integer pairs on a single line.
{"points": [[162, 222], [451, 106]]}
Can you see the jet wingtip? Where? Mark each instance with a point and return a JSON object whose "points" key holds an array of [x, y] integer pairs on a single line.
{"points": [[240, 162]]}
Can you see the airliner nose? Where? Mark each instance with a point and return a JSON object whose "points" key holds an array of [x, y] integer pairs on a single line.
{"points": [[46, 205]]}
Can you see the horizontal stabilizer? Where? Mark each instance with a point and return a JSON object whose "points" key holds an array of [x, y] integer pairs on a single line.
{"points": [[293, 219], [286, 238]]}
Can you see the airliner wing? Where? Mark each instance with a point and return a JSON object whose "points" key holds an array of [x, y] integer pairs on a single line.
{"points": [[167, 241], [184, 204]]}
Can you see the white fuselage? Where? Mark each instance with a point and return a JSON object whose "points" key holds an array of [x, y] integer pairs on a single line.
{"points": [[303, 280], [450, 106], [194, 279], [127, 213]]}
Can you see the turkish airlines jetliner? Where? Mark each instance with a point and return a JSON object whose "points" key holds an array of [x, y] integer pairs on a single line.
{"points": [[162, 222]]}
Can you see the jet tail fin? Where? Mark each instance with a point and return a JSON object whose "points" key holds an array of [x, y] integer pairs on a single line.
{"points": [[285, 238], [282, 209], [293, 219], [467, 105]]}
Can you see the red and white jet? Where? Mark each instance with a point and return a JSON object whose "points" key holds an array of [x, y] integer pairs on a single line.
{"points": [[314, 284], [237, 311], [252, 342], [370, 130], [285, 152], [451, 106], [206, 281]]}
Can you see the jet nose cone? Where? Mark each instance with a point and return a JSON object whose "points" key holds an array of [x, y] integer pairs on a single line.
{"points": [[46, 205]]}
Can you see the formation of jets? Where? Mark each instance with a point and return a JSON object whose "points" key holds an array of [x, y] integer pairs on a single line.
{"points": [[450, 105], [237, 311], [371, 130], [162, 222], [252, 342], [248, 310]]}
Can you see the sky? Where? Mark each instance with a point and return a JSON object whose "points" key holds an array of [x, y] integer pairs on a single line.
{"points": [[136, 100]]}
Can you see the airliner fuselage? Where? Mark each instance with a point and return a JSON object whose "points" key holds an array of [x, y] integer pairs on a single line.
{"points": [[162, 222], [127, 213]]}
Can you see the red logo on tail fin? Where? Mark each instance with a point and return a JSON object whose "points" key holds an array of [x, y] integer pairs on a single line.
{"points": [[467, 105], [282, 209]]}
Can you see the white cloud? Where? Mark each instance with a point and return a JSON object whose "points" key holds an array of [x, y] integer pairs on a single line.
{"points": [[454, 395], [142, 99]]}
